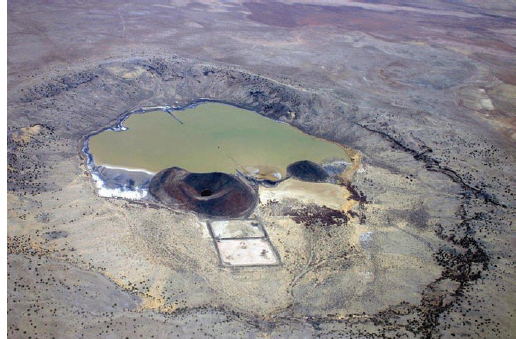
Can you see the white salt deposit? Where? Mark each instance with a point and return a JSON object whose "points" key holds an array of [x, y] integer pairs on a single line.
{"points": [[126, 193]]}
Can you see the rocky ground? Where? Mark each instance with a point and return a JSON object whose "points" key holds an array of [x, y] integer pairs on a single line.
{"points": [[423, 94]]}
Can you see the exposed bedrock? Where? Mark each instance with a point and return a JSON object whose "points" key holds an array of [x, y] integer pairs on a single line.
{"points": [[211, 194]]}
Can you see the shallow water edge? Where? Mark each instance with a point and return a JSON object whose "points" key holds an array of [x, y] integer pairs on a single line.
{"points": [[130, 182]]}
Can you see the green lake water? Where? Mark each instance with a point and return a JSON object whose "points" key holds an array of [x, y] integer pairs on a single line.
{"points": [[214, 137]]}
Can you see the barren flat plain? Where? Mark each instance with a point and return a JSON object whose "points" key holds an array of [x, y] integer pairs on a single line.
{"points": [[414, 239]]}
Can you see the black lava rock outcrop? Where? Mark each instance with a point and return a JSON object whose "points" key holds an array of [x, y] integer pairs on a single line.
{"points": [[307, 171], [212, 194]]}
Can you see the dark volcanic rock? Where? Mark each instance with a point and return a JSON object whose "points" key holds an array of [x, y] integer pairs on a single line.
{"points": [[213, 194], [307, 171]]}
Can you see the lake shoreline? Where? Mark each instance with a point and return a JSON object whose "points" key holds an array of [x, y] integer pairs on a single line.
{"points": [[279, 139]]}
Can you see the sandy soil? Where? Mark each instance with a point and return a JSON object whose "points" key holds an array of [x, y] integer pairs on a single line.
{"points": [[324, 194], [246, 252], [236, 229], [423, 95]]}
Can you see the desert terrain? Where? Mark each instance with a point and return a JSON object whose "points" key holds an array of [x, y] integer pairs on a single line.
{"points": [[416, 240]]}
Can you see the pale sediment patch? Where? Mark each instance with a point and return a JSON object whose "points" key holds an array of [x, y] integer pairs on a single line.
{"points": [[246, 252], [236, 229], [487, 104], [122, 72], [264, 172], [323, 194], [475, 99]]}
